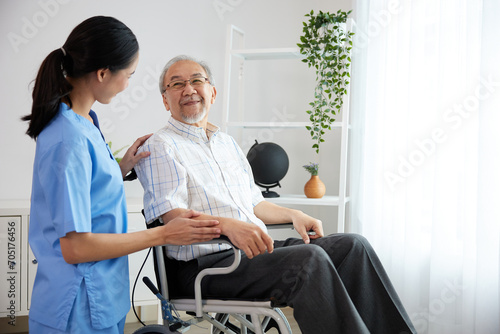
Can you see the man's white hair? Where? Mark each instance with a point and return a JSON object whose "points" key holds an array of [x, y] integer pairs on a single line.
{"points": [[181, 58]]}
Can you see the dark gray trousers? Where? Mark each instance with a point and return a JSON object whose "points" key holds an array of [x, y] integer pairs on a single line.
{"points": [[336, 284]]}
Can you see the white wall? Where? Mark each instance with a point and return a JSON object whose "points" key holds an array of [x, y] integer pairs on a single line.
{"points": [[166, 28]]}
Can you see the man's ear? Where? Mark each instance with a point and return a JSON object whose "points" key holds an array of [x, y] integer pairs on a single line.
{"points": [[214, 93], [102, 73]]}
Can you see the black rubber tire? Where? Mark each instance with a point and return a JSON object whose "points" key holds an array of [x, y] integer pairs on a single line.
{"points": [[154, 329]]}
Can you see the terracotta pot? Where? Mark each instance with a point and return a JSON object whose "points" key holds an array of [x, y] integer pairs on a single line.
{"points": [[314, 188]]}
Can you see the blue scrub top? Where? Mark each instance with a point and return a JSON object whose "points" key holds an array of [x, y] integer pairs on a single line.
{"points": [[77, 186]]}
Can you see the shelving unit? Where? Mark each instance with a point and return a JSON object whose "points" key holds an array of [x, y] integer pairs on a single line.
{"points": [[236, 51]]}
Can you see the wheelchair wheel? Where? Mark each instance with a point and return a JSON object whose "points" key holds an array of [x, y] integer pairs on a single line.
{"points": [[154, 329], [224, 319], [273, 324]]}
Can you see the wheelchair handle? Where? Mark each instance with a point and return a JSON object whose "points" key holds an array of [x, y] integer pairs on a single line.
{"points": [[150, 285]]}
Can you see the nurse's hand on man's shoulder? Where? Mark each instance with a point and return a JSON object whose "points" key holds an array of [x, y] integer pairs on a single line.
{"points": [[131, 157]]}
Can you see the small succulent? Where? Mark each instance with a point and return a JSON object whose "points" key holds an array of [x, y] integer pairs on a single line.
{"points": [[312, 168]]}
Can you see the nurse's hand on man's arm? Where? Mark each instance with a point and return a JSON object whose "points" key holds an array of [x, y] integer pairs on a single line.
{"points": [[131, 158], [250, 238], [184, 230]]}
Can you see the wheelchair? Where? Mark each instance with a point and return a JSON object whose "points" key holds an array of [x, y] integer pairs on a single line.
{"points": [[230, 316]]}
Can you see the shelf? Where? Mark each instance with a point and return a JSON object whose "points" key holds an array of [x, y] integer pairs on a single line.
{"points": [[235, 60], [303, 200], [275, 124], [263, 54]]}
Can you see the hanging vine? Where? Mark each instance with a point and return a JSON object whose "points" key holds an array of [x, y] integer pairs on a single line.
{"points": [[326, 45]]}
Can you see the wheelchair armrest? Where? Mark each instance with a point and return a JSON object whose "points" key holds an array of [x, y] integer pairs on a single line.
{"points": [[214, 271], [282, 225], [220, 240], [131, 176]]}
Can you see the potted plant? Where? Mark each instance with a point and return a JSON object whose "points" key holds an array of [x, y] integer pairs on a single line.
{"points": [[314, 188], [326, 45]]}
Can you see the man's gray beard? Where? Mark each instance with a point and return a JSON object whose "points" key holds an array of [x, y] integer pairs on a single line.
{"points": [[195, 118]]}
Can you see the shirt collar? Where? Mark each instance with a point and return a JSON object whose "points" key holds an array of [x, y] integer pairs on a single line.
{"points": [[193, 132], [65, 109]]}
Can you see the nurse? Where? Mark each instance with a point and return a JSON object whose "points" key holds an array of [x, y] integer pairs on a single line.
{"points": [[78, 218]]}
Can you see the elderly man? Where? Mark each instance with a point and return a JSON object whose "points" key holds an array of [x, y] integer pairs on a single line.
{"points": [[335, 283]]}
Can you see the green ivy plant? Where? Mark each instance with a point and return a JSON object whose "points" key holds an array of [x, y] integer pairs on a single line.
{"points": [[326, 45], [115, 153]]}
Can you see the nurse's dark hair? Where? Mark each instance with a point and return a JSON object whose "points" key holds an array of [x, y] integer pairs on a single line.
{"points": [[96, 43]]}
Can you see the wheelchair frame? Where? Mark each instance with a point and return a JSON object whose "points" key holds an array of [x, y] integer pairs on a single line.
{"points": [[260, 312]]}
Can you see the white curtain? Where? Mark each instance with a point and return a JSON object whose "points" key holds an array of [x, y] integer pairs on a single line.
{"points": [[425, 157]]}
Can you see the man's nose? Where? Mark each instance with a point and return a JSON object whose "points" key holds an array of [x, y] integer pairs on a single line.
{"points": [[189, 89]]}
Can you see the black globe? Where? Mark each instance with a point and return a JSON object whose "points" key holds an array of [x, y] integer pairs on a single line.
{"points": [[269, 163]]}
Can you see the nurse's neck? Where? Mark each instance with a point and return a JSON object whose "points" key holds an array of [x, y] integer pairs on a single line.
{"points": [[81, 98]]}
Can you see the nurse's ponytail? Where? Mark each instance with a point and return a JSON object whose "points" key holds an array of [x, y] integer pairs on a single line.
{"points": [[50, 87], [96, 43]]}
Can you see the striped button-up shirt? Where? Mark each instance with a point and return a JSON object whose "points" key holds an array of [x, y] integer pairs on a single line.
{"points": [[206, 171]]}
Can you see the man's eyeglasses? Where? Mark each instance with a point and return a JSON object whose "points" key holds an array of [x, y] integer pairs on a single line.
{"points": [[181, 84]]}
